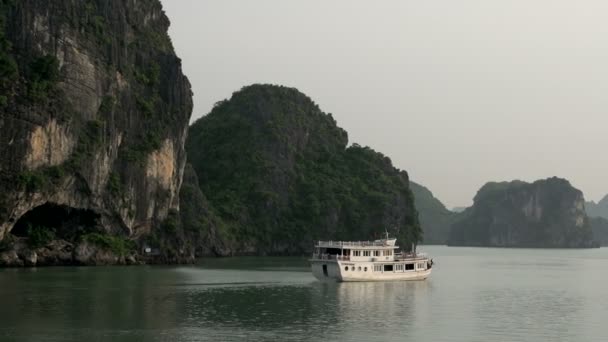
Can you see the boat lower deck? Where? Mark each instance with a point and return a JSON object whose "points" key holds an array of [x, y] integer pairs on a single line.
{"points": [[338, 270]]}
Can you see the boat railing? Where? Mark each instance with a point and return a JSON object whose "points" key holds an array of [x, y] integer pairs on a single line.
{"points": [[322, 256], [410, 256], [378, 243], [397, 257]]}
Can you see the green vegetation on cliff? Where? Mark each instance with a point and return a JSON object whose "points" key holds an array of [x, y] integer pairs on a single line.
{"points": [[118, 245], [435, 218], [546, 213], [279, 173], [8, 65], [94, 109]]}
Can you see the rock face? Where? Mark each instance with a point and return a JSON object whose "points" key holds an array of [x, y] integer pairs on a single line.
{"points": [[279, 174], [61, 252], [94, 112], [202, 228], [193, 232], [435, 218], [546, 213]]}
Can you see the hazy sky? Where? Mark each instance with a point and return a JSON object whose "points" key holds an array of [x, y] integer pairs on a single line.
{"points": [[457, 93]]}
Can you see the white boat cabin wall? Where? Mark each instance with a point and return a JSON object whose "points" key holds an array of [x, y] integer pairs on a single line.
{"points": [[367, 261]]}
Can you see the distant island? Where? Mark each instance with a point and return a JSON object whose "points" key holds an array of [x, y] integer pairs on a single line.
{"points": [[435, 218], [598, 217], [548, 213], [599, 225], [599, 209]]}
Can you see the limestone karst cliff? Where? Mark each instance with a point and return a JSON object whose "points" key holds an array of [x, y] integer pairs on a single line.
{"points": [[546, 213], [279, 173], [94, 112]]}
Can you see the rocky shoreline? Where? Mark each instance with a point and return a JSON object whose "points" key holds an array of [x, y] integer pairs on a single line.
{"points": [[64, 253]]}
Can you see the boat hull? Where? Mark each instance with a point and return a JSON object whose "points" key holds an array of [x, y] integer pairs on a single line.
{"points": [[329, 270]]}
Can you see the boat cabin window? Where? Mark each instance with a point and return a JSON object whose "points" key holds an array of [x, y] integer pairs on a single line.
{"points": [[409, 267], [346, 268], [376, 253], [387, 252], [356, 253], [399, 267], [366, 253], [388, 268], [365, 269], [377, 268], [420, 265], [359, 269]]}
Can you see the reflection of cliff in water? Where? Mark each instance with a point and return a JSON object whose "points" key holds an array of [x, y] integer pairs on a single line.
{"points": [[80, 300]]}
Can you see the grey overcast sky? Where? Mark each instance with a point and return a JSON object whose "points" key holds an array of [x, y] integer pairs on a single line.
{"points": [[456, 92]]}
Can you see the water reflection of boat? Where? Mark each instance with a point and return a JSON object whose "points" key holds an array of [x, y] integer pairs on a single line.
{"points": [[377, 260]]}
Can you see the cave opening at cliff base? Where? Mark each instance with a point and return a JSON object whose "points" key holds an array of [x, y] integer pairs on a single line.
{"points": [[65, 222]]}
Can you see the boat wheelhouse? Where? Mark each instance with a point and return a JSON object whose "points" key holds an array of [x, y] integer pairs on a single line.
{"points": [[378, 260]]}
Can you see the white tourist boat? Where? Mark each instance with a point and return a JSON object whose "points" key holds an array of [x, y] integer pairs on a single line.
{"points": [[377, 260]]}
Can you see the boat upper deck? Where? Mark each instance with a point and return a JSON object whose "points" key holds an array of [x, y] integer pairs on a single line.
{"points": [[397, 257], [375, 244]]}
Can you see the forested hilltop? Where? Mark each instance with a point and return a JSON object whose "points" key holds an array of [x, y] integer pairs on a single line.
{"points": [[278, 173]]}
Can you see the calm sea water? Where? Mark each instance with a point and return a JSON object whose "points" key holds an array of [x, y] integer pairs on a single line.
{"points": [[474, 294]]}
